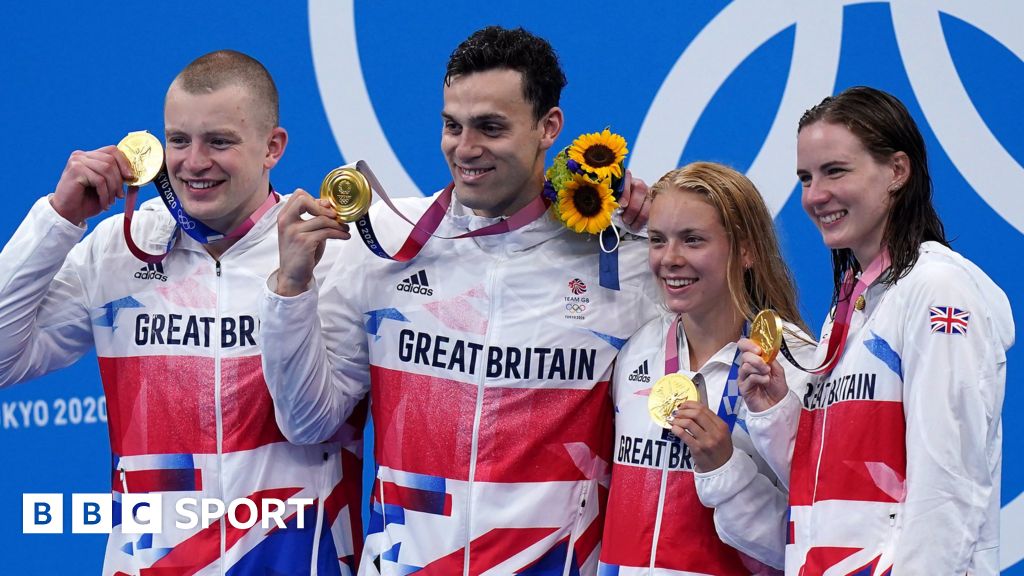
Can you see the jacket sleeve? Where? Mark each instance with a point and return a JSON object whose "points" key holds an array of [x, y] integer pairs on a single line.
{"points": [[316, 365], [750, 510], [749, 491], [44, 322], [952, 399], [773, 432]]}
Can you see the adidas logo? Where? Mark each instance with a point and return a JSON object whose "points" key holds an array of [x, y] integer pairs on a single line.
{"points": [[417, 284], [152, 272], [641, 374]]}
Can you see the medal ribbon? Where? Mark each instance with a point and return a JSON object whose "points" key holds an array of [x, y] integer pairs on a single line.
{"points": [[608, 259], [854, 287], [194, 228], [727, 408], [424, 228]]}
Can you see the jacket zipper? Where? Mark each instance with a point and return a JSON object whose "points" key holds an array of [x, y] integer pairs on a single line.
{"points": [[661, 510], [322, 490], [574, 536], [476, 415], [219, 421]]}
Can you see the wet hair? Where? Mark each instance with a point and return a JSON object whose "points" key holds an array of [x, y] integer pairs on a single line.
{"points": [[884, 127], [768, 282], [223, 68], [495, 48]]}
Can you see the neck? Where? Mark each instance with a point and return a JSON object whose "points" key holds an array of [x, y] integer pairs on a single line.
{"points": [[230, 228], [229, 222], [218, 248], [865, 255], [515, 203], [706, 335]]}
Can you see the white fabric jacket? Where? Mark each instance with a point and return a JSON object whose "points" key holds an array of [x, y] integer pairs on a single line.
{"points": [[189, 414], [490, 360], [897, 455], [666, 519]]}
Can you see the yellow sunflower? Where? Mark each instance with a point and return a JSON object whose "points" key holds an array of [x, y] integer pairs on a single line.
{"points": [[586, 206], [601, 153]]}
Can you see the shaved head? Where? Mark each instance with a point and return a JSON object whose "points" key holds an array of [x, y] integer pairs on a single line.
{"points": [[224, 68]]}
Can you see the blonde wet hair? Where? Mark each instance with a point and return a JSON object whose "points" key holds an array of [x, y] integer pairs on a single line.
{"points": [[767, 282]]}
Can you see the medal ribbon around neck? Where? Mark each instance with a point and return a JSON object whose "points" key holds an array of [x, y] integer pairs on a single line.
{"points": [[197, 230], [854, 287], [727, 408], [428, 223]]}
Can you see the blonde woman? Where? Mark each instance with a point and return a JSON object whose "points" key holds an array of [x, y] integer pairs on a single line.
{"points": [[695, 498]]}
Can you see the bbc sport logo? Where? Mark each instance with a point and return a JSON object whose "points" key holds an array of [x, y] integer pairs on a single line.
{"points": [[94, 513]]}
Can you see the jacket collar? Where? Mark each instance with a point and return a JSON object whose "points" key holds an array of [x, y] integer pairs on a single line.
{"points": [[461, 219], [156, 241]]}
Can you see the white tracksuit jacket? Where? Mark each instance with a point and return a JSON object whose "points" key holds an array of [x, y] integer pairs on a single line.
{"points": [[490, 361], [664, 518], [897, 455], [189, 413]]}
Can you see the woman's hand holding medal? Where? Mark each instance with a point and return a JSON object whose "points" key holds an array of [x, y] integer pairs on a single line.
{"points": [[704, 433], [675, 403], [761, 384]]}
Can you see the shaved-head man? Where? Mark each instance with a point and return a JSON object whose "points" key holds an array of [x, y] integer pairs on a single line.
{"points": [[173, 321]]}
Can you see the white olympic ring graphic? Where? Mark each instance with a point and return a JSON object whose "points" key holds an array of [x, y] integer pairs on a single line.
{"points": [[718, 50], [185, 222], [723, 45]]}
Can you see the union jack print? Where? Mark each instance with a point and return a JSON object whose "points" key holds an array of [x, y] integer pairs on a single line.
{"points": [[949, 320]]}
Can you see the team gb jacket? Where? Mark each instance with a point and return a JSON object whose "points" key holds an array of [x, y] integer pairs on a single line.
{"points": [[488, 361]]}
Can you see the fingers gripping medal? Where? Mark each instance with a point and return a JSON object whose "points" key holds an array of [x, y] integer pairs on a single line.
{"points": [[348, 191], [766, 332], [668, 392]]}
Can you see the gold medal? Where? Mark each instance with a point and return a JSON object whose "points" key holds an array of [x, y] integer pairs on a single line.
{"points": [[668, 392], [145, 154], [860, 303], [766, 332], [348, 192]]}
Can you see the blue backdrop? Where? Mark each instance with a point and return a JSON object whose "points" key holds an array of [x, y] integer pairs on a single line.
{"points": [[681, 80]]}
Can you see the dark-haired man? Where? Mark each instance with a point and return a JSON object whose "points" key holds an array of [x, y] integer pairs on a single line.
{"points": [[189, 412], [487, 358]]}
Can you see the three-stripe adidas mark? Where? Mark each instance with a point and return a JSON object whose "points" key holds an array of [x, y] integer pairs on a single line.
{"points": [[417, 284], [152, 272], [641, 374]]}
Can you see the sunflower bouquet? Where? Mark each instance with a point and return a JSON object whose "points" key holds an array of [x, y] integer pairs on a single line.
{"points": [[584, 182]]}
